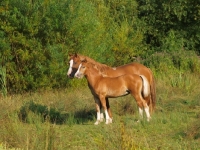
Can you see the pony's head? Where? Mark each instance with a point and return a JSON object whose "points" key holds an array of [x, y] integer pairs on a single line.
{"points": [[81, 69], [74, 62], [84, 68]]}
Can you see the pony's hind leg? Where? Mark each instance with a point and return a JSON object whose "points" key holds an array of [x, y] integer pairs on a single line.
{"points": [[101, 117], [142, 104], [146, 108], [149, 103], [146, 96], [140, 113]]}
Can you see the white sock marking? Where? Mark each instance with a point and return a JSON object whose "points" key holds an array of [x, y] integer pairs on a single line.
{"points": [[98, 116], [147, 113], [108, 119], [141, 112], [102, 117]]}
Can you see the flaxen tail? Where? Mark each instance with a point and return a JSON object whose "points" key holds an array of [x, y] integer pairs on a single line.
{"points": [[146, 87]]}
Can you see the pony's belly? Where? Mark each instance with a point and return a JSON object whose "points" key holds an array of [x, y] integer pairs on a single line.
{"points": [[113, 94]]}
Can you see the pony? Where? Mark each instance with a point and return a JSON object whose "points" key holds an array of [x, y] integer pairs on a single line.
{"points": [[131, 68], [112, 87]]}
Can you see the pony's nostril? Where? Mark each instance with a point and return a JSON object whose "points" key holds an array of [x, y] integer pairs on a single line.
{"points": [[70, 75], [77, 75]]}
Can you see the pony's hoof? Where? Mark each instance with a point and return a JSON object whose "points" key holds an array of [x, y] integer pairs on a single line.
{"points": [[137, 121], [102, 119], [108, 121], [97, 122], [148, 119]]}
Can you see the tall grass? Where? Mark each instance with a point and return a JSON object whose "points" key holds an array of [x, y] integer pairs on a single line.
{"points": [[64, 119]]}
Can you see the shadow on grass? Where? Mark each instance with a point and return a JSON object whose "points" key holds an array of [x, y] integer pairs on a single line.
{"points": [[32, 112]]}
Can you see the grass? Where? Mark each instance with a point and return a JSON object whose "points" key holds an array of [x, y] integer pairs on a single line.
{"points": [[64, 119]]}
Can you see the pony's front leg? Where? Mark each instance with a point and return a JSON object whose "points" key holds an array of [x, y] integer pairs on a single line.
{"points": [[101, 117], [99, 110], [108, 119], [103, 102], [97, 102], [101, 113], [108, 109]]}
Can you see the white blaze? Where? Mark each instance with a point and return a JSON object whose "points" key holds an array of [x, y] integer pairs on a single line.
{"points": [[70, 67], [77, 72]]}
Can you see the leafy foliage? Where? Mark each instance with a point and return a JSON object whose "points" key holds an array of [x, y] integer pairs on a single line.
{"points": [[36, 36], [161, 17]]}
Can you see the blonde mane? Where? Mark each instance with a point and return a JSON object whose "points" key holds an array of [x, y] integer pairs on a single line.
{"points": [[101, 67]]}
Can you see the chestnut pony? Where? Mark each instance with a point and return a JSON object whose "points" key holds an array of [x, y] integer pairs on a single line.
{"points": [[131, 68], [111, 87]]}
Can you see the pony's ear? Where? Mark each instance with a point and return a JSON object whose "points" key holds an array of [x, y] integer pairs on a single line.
{"points": [[84, 60], [71, 54], [76, 55]]}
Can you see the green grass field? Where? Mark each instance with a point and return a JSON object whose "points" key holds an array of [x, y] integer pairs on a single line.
{"points": [[64, 120]]}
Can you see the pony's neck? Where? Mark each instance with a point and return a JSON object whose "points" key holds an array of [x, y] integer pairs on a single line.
{"points": [[82, 57], [93, 76], [101, 67]]}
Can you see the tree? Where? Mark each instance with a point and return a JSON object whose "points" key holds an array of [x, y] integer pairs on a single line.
{"points": [[160, 17]]}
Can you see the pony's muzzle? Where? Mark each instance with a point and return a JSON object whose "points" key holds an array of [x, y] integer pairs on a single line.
{"points": [[78, 75], [70, 75]]}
